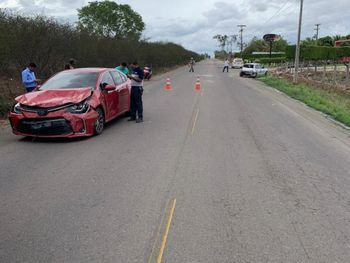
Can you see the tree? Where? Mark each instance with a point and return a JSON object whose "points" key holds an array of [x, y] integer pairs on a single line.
{"points": [[222, 39], [110, 19], [260, 45]]}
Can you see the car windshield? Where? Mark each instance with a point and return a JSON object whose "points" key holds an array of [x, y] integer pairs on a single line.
{"points": [[71, 80]]}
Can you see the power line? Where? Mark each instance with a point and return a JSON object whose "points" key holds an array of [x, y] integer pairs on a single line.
{"points": [[273, 16]]}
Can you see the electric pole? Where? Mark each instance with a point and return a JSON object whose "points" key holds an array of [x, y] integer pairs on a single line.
{"points": [[241, 31], [297, 50], [317, 29]]}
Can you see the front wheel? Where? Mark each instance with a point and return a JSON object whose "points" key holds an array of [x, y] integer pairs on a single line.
{"points": [[100, 122], [241, 74]]}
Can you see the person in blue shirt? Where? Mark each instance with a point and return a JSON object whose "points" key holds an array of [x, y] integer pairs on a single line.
{"points": [[28, 78], [123, 68], [136, 107]]}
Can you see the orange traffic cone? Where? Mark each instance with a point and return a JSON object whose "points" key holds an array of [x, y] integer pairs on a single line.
{"points": [[197, 86], [168, 85]]}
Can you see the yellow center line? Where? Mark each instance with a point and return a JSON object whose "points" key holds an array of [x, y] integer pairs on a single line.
{"points": [[158, 233], [195, 121], [165, 236]]}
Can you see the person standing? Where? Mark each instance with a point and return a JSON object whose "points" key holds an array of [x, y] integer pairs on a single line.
{"points": [[191, 64], [29, 80], [123, 68], [226, 64], [71, 64], [136, 107]]}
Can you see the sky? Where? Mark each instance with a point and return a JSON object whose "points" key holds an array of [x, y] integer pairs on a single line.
{"points": [[193, 23]]}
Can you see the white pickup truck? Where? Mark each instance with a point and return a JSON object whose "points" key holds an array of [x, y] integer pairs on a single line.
{"points": [[253, 70]]}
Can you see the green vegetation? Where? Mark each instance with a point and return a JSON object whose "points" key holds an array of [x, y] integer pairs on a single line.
{"points": [[50, 44], [260, 45], [326, 41], [335, 104], [5, 105], [317, 53]]}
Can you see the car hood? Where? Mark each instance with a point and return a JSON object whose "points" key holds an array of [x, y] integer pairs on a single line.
{"points": [[51, 98]]}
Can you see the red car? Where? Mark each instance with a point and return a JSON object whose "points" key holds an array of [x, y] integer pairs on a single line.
{"points": [[72, 103]]}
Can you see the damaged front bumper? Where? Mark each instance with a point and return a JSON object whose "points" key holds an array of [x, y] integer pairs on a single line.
{"points": [[60, 123]]}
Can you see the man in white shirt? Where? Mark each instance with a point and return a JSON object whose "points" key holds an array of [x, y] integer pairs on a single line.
{"points": [[226, 64]]}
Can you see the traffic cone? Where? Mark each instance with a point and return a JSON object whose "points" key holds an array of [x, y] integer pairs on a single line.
{"points": [[168, 85], [197, 86]]}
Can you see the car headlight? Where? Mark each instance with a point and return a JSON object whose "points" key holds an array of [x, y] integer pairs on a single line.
{"points": [[81, 107], [17, 108]]}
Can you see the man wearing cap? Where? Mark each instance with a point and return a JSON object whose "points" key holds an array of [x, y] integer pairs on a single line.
{"points": [[136, 107], [28, 77]]}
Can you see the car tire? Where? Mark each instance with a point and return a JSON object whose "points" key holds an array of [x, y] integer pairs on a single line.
{"points": [[254, 75], [265, 73], [241, 74], [100, 122]]}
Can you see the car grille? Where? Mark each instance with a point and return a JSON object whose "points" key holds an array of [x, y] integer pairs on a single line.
{"points": [[43, 111], [45, 127]]}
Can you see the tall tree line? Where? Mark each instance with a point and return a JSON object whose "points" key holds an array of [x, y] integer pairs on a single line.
{"points": [[50, 44]]}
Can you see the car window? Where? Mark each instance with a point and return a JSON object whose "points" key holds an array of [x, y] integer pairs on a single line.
{"points": [[124, 77], [118, 79], [258, 66], [107, 79], [71, 80], [245, 66]]}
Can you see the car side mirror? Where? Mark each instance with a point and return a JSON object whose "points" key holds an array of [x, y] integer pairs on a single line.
{"points": [[109, 87]]}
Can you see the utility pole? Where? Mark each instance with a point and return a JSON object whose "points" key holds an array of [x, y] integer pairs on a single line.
{"points": [[317, 29], [297, 50], [241, 31]]}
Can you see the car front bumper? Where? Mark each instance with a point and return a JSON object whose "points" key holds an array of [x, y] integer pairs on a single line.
{"points": [[55, 124]]}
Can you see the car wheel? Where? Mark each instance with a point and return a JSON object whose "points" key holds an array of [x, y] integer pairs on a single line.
{"points": [[265, 73], [241, 74], [254, 75], [100, 122]]}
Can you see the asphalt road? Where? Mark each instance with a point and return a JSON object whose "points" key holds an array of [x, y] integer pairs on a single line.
{"points": [[236, 173]]}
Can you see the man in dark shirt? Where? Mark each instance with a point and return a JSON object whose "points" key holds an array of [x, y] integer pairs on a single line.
{"points": [[136, 107]]}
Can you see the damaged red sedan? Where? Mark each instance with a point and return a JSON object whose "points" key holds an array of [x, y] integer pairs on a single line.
{"points": [[72, 103]]}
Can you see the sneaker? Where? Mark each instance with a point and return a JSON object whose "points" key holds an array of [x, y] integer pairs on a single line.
{"points": [[139, 120]]}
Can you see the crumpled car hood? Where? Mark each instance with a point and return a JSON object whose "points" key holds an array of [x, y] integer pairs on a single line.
{"points": [[51, 98]]}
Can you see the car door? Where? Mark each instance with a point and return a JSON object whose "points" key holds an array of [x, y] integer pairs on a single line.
{"points": [[258, 69], [111, 97], [123, 91]]}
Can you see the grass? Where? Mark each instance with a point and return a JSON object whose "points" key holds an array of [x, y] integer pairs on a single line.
{"points": [[332, 103]]}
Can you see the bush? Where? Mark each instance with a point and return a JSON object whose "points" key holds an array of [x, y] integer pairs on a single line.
{"points": [[316, 53], [5, 106], [267, 60], [50, 44]]}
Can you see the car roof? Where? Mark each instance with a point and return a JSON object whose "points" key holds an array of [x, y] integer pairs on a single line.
{"points": [[89, 70]]}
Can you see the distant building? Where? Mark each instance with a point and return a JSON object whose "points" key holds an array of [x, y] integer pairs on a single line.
{"points": [[268, 53]]}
